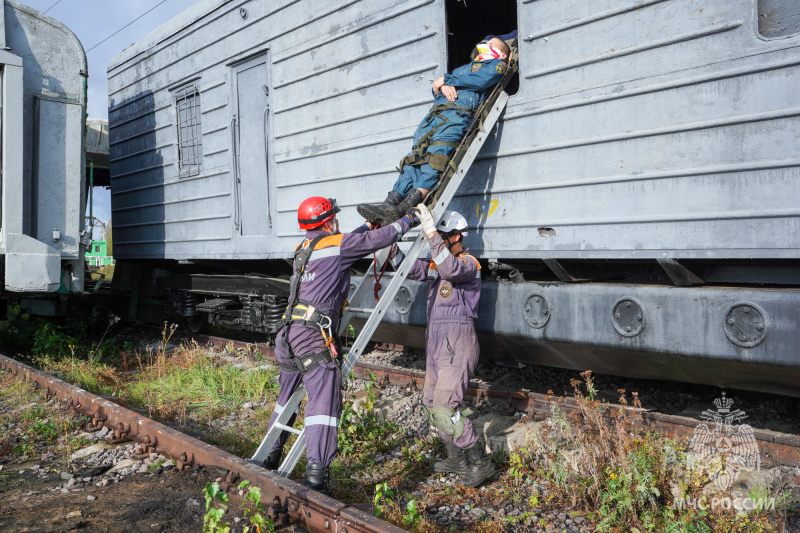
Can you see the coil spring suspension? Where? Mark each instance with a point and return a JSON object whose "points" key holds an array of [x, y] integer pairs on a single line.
{"points": [[274, 306], [188, 305]]}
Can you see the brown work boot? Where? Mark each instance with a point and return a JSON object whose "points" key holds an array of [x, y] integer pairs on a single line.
{"points": [[456, 461], [375, 213], [480, 466]]}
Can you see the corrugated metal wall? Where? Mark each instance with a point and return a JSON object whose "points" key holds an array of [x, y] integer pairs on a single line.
{"points": [[647, 128], [641, 129], [347, 90]]}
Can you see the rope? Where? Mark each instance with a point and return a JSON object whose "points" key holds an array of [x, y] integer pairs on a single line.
{"points": [[383, 271]]}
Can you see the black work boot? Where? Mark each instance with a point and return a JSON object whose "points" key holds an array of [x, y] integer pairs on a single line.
{"points": [[374, 213], [456, 461], [480, 466], [391, 214], [273, 460], [317, 478]]}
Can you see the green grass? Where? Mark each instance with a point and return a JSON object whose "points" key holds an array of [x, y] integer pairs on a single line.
{"points": [[204, 385]]}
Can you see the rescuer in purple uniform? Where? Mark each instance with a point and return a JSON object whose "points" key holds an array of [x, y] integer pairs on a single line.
{"points": [[304, 346], [456, 96], [454, 289]]}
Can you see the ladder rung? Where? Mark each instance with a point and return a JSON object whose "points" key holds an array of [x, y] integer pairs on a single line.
{"points": [[287, 428], [361, 309]]}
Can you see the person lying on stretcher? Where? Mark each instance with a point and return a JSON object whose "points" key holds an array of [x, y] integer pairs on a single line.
{"points": [[456, 96]]}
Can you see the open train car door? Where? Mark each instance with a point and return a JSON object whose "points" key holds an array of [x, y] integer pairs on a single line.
{"points": [[251, 98]]}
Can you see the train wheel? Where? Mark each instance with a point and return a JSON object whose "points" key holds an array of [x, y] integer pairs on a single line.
{"points": [[196, 324]]}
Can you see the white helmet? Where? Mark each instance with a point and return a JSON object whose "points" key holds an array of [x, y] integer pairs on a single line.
{"points": [[452, 222]]}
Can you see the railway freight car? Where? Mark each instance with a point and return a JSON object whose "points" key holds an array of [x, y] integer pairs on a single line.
{"points": [[43, 196], [636, 211]]}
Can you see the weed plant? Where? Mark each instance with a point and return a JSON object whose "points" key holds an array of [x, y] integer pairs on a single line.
{"points": [[30, 430], [600, 461], [193, 380]]}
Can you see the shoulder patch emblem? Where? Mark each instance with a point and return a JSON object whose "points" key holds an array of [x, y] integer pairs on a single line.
{"points": [[445, 291], [500, 68], [464, 260], [476, 66]]}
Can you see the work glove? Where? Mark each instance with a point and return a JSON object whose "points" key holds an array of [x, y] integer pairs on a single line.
{"points": [[411, 218], [426, 219]]}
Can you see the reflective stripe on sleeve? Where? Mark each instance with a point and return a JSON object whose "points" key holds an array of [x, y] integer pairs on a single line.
{"points": [[439, 259], [433, 273], [321, 420], [398, 227], [331, 251]]}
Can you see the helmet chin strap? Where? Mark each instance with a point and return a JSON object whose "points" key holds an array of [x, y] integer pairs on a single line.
{"points": [[451, 244]]}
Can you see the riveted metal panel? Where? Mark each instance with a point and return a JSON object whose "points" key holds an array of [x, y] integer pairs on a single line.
{"points": [[729, 337]]}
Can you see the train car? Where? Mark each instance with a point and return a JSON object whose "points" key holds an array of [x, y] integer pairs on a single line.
{"points": [[43, 195], [636, 210]]}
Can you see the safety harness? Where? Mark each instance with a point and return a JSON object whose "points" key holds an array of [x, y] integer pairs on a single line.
{"points": [[419, 152], [304, 314]]}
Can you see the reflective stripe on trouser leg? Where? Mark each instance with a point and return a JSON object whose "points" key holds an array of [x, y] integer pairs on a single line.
{"points": [[452, 356], [288, 382], [324, 386]]}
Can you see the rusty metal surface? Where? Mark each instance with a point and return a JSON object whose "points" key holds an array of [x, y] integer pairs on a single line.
{"points": [[305, 507]]}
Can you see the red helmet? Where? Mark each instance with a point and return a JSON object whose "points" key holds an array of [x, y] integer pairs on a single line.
{"points": [[315, 211]]}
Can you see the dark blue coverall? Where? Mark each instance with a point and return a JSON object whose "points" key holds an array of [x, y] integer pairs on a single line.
{"points": [[472, 81]]}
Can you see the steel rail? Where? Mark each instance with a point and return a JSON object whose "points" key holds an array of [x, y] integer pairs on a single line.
{"points": [[775, 447], [291, 501]]}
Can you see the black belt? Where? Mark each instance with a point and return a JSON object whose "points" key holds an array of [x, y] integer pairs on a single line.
{"points": [[307, 363]]}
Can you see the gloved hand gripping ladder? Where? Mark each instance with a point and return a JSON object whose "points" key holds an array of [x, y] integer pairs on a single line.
{"points": [[464, 155]]}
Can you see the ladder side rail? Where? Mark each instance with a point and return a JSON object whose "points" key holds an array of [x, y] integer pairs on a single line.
{"points": [[294, 455], [363, 288], [445, 195], [387, 299], [450, 186], [274, 432], [454, 182]]}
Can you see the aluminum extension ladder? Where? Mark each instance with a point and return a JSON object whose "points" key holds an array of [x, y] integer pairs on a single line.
{"points": [[485, 119]]}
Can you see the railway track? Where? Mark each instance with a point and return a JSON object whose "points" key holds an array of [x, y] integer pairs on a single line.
{"points": [[776, 448], [290, 501]]}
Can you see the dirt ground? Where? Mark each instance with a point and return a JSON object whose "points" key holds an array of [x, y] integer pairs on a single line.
{"points": [[45, 488], [136, 504]]}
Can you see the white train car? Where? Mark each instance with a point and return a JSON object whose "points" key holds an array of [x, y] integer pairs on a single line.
{"points": [[43, 195], [642, 184]]}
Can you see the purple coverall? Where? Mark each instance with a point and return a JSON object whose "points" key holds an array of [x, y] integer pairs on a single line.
{"points": [[454, 289], [325, 285]]}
